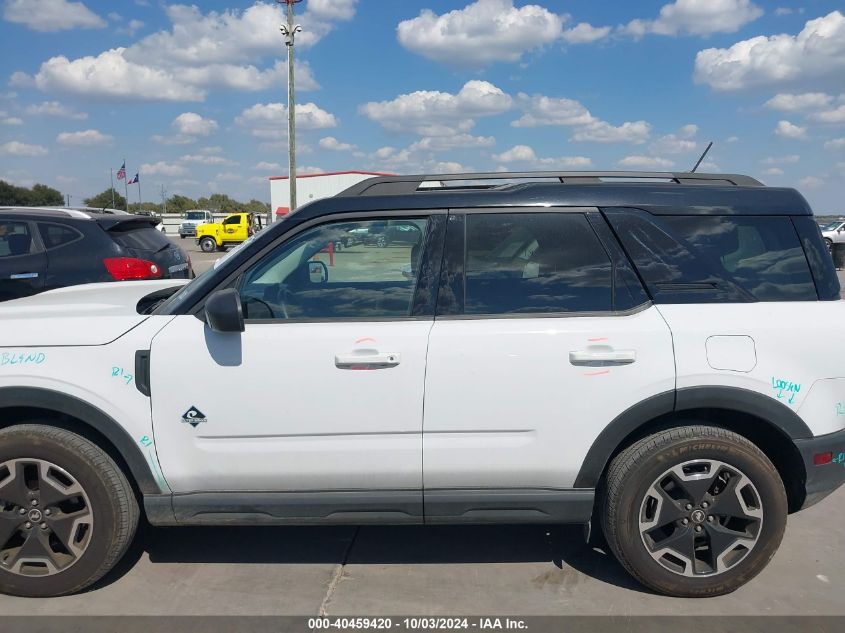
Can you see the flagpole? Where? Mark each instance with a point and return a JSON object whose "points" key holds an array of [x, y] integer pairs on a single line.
{"points": [[126, 186], [111, 177], [139, 191]]}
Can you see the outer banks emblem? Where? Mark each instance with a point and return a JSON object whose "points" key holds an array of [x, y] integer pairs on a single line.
{"points": [[194, 417]]}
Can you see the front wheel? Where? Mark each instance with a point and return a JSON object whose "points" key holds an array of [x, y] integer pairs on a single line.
{"points": [[67, 512], [694, 511], [208, 245]]}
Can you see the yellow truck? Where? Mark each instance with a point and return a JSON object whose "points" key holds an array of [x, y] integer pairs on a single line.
{"points": [[233, 230]]}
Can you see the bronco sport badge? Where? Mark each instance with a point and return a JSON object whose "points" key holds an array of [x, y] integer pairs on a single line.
{"points": [[194, 417]]}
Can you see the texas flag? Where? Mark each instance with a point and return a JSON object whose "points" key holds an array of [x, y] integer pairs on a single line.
{"points": [[121, 173], [133, 181]]}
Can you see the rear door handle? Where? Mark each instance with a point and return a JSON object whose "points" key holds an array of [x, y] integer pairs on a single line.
{"points": [[24, 276], [584, 358], [368, 360]]}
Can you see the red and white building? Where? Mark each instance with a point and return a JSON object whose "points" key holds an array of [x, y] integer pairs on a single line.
{"points": [[310, 187]]}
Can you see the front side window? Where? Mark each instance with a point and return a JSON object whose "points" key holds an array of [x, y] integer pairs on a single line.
{"points": [[360, 269], [535, 263], [14, 239], [235, 219]]}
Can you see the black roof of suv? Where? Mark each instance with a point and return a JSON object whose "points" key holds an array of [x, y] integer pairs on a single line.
{"points": [[655, 194]]}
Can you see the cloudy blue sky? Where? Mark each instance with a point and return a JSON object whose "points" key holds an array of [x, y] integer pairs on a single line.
{"points": [[193, 96]]}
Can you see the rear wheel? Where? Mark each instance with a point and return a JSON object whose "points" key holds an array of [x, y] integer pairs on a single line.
{"points": [[829, 243], [694, 511], [67, 512], [208, 245]]}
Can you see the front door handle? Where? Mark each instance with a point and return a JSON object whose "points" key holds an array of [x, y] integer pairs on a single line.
{"points": [[24, 276], [603, 358], [367, 359]]}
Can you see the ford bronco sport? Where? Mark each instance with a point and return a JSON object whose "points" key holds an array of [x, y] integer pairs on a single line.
{"points": [[561, 348]]}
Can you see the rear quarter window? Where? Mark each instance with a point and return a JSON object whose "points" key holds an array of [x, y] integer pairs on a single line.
{"points": [[139, 238], [705, 259]]}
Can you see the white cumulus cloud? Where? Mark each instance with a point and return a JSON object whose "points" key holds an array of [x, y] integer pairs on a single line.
{"points": [[788, 102], [540, 110], [790, 130], [816, 56], [270, 120], [56, 109], [16, 148], [638, 161], [84, 138], [483, 32], [162, 168], [585, 33], [193, 124], [52, 15], [435, 113], [331, 143], [697, 17]]}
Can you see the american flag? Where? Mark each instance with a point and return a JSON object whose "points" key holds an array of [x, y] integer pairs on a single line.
{"points": [[121, 173], [133, 181]]}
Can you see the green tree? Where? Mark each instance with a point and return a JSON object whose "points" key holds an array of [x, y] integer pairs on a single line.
{"points": [[39, 196], [44, 196], [104, 200], [256, 206], [180, 204]]}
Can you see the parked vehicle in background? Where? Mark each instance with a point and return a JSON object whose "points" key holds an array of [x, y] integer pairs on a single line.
{"points": [[833, 233], [192, 219], [46, 248], [626, 356], [234, 229]]}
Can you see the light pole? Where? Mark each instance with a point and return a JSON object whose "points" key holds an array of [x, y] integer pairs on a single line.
{"points": [[289, 32]]}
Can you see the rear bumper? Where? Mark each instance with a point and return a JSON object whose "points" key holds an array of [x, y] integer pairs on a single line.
{"points": [[824, 479]]}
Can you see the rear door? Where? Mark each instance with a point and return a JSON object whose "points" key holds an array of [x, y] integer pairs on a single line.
{"points": [[543, 336], [23, 264]]}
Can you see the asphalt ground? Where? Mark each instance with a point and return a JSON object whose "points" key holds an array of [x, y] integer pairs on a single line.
{"points": [[442, 570]]}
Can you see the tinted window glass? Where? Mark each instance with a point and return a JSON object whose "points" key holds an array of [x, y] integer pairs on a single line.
{"points": [[235, 219], [760, 254], [144, 238], [534, 263], [55, 235], [365, 269], [705, 259], [14, 239], [827, 282]]}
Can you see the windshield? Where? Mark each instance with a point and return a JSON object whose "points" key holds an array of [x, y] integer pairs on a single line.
{"points": [[195, 215], [832, 226]]}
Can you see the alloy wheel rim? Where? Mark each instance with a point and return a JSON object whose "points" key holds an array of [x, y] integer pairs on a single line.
{"points": [[701, 518], [46, 519]]}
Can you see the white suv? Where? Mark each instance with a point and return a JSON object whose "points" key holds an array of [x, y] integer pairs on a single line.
{"points": [[583, 350]]}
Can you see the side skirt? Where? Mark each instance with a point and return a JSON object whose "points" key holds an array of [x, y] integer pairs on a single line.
{"points": [[385, 507]]}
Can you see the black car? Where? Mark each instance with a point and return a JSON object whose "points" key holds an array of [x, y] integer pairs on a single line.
{"points": [[46, 248]]}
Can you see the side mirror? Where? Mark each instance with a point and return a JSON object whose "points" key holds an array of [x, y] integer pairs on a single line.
{"points": [[318, 272], [223, 311]]}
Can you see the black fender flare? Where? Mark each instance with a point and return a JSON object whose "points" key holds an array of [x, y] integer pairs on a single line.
{"points": [[780, 417], [90, 415]]}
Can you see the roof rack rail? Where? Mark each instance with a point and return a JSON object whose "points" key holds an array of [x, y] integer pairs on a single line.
{"points": [[395, 185]]}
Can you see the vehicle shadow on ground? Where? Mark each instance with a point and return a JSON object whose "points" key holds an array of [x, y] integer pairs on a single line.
{"points": [[562, 546]]}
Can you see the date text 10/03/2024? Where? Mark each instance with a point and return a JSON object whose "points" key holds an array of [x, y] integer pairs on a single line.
{"points": [[417, 623]]}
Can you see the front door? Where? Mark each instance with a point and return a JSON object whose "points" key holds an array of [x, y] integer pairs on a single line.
{"points": [[23, 263], [323, 391]]}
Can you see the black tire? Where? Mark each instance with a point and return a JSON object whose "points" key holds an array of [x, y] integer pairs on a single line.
{"points": [[829, 243], [381, 241], [114, 509], [630, 478], [181, 237], [208, 245]]}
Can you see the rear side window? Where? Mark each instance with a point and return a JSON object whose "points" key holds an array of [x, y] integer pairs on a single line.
{"points": [[15, 239], [534, 263], [55, 235], [139, 238], [705, 259]]}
